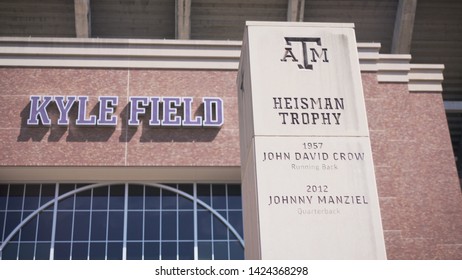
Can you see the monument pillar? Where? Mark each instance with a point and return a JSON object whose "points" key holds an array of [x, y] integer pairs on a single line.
{"points": [[309, 189]]}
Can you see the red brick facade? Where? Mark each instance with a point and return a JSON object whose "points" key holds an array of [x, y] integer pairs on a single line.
{"points": [[420, 196]]}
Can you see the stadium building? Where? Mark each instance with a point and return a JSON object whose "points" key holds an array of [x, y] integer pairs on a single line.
{"points": [[120, 131]]}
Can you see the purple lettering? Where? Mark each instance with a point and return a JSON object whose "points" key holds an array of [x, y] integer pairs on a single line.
{"points": [[165, 111], [106, 110], [170, 117], [213, 111], [136, 110], [188, 114], [39, 110], [154, 121], [82, 115], [64, 108]]}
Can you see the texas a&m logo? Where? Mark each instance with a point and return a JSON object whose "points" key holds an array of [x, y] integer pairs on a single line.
{"points": [[311, 51]]}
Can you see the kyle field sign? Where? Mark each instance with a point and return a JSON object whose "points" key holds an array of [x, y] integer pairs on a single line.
{"points": [[164, 111]]}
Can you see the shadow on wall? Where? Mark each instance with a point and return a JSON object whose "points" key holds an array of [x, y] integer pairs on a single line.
{"points": [[144, 132]]}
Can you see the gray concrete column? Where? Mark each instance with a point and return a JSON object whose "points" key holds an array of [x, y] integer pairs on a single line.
{"points": [[404, 25]]}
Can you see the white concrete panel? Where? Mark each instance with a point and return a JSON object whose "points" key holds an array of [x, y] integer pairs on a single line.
{"points": [[307, 164], [306, 81], [317, 198]]}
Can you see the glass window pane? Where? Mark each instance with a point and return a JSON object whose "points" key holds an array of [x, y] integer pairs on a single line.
{"points": [[186, 251], [114, 250], [169, 225], [135, 225], [81, 225], [135, 196], [235, 219], [15, 198], [203, 193], [64, 226], [204, 224], [220, 250], [81, 185], [218, 196], [80, 250], [47, 193], [151, 250], [2, 223], [83, 200], [220, 231], [172, 225], [45, 226], [97, 251], [65, 188], [100, 198], [42, 251], [62, 251], [186, 225], [169, 250], [26, 251], [168, 200], [12, 221], [28, 230], [152, 199], [187, 188], [116, 225], [98, 225], [66, 204], [3, 196], [205, 250], [234, 197], [152, 225], [10, 252], [183, 202], [236, 250], [15, 237], [116, 199], [134, 250], [31, 199]]}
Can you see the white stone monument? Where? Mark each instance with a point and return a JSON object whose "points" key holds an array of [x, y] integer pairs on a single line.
{"points": [[309, 187]]}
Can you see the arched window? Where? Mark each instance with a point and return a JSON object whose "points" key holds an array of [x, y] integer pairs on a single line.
{"points": [[121, 221]]}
